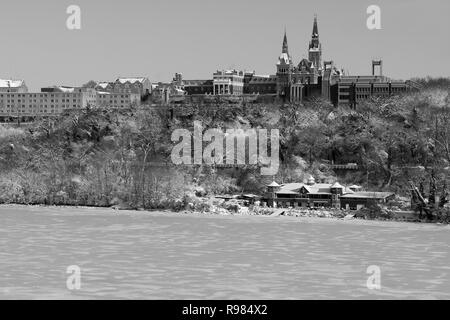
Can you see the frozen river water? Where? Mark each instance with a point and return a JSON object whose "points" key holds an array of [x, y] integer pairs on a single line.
{"points": [[141, 255]]}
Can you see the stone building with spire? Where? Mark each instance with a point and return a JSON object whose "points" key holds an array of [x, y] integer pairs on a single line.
{"points": [[310, 78], [285, 68], [295, 82]]}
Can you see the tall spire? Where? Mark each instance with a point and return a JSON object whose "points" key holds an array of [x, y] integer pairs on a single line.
{"points": [[315, 31], [315, 48], [285, 43]]}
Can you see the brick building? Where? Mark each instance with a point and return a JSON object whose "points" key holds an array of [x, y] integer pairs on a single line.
{"points": [[55, 100]]}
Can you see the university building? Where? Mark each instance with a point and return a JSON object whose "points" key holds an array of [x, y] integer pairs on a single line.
{"points": [[57, 99], [355, 89], [124, 85], [311, 77], [228, 82]]}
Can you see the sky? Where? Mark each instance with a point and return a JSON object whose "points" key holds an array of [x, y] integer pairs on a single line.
{"points": [[197, 37]]}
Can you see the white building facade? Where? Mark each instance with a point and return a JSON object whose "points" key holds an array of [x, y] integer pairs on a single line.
{"points": [[228, 82]]}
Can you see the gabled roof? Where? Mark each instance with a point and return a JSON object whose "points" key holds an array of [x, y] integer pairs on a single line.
{"points": [[305, 63], [317, 188], [103, 84], [273, 184], [348, 190], [131, 80], [337, 185], [290, 187]]}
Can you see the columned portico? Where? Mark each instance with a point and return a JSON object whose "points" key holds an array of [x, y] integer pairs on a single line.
{"points": [[296, 92], [228, 82]]}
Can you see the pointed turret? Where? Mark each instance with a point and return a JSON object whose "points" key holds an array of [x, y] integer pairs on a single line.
{"points": [[285, 44], [285, 58], [284, 69], [314, 43], [315, 32], [315, 48]]}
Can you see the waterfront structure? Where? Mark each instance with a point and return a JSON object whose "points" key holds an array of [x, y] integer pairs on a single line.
{"points": [[13, 86], [228, 82], [316, 195]]}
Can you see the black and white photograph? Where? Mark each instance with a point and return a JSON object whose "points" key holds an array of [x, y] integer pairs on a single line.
{"points": [[206, 151]]}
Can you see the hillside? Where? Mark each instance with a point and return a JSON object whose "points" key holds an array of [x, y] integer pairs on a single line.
{"points": [[104, 157]]}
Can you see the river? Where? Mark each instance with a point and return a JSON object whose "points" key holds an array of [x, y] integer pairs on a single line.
{"points": [[156, 255]]}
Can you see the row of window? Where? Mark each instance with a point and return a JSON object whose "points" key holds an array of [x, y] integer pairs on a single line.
{"points": [[41, 95], [6, 112], [105, 96], [13, 107], [53, 95], [42, 100]]}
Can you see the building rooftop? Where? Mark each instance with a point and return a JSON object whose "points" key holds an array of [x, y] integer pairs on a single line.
{"points": [[11, 83], [103, 84], [325, 188], [197, 82], [131, 80], [368, 194], [363, 79], [262, 79], [64, 89], [229, 72], [337, 185], [273, 184]]}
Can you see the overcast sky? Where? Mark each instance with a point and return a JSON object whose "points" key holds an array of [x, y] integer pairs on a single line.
{"points": [[158, 38]]}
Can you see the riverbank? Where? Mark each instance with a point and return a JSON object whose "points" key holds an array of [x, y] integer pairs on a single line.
{"points": [[322, 214]]}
